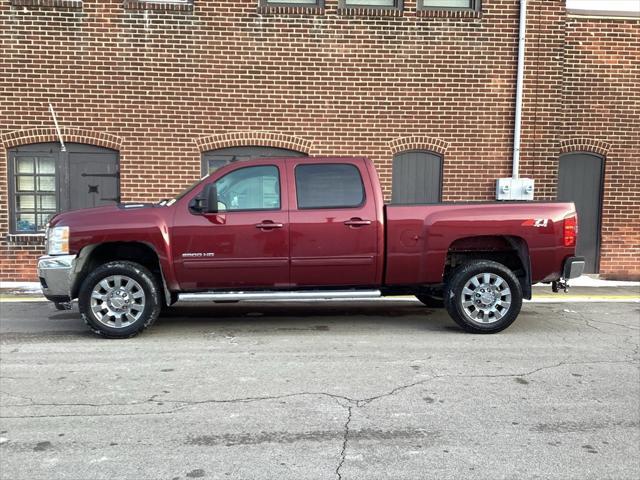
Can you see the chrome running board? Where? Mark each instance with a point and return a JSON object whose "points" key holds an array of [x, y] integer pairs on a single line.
{"points": [[269, 296]]}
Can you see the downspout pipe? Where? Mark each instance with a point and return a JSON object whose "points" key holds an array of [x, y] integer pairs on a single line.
{"points": [[519, 88]]}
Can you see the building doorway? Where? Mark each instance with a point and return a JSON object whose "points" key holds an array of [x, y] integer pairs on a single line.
{"points": [[580, 180]]}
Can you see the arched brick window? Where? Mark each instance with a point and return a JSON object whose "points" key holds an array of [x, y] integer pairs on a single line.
{"points": [[214, 159], [416, 177], [44, 180]]}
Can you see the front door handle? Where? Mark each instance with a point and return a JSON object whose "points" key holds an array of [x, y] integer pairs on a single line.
{"points": [[357, 222], [268, 225]]}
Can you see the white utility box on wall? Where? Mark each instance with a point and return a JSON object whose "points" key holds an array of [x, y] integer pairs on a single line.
{"points": [[514, 189]]}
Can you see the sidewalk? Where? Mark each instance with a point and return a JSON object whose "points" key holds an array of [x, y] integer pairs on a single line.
{"points": [[583, 289], [21, 291], [589, 289]]}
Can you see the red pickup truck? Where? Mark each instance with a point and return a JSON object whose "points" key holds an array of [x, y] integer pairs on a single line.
{"points": [[304, 228]]}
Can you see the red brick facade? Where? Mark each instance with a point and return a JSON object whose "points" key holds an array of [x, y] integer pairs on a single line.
{"points": [[162, 84], [601, 106]]}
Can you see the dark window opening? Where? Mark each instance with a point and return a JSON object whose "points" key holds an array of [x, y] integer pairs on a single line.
{"points": [[449, 5], [416, 178], [215, 159], [292, 3], [376, 4]]}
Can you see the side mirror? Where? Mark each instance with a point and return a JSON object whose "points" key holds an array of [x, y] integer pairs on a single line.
{"points": [[206, 201], [209, 198]]}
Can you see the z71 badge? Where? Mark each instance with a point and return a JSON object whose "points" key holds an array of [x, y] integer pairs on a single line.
{"points": [[536, 222]]}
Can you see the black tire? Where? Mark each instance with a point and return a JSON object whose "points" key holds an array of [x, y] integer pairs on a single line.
{"points": [[431, 301], [454, 297], [144, 279]]}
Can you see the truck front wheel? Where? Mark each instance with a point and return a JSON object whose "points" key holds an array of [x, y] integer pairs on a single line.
{"points": [[119, 299], [483, 296]]}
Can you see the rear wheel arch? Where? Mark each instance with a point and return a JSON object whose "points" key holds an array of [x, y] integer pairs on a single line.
{"points": [[510, 251]]}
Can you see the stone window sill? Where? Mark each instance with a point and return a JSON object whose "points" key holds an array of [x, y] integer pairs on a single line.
{"points": [[290, 10], [369, 12], [427, 13], [164, 7], [70, 4], [25, 239]]}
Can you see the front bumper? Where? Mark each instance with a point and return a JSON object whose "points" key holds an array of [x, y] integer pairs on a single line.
{"points": [[573, 267], [56, 276]]}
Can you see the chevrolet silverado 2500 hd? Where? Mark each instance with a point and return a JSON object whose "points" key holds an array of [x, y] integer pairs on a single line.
{"points": [[304, 228]]}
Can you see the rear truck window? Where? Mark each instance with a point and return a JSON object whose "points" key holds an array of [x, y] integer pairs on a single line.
{"points": [[334, 185]]}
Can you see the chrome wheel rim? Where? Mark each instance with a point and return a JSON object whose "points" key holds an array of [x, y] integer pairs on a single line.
{"points": [[117, 301], [485, 298]]}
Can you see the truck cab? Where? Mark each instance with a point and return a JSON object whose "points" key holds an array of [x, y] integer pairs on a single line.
{"points": [[281, 224]]}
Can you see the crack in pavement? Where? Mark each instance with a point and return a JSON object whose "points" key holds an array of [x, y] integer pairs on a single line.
{"points": [[488, 375], [628, 327], [182, 404], [351, 403], [630, 340], [579, 318], [2, 392], [345, 440]]}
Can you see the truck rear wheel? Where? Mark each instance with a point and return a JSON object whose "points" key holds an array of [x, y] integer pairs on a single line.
{"points": [[483, 296], [119, 299]]}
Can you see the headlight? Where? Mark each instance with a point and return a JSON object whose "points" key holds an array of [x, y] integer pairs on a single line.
{"points": [[58, 241]]}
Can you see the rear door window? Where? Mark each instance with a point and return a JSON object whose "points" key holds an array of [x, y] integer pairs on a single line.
{"points": [[329, 185]]}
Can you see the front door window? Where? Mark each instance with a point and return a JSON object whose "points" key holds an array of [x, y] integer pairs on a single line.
{"points": [[251, 188]]}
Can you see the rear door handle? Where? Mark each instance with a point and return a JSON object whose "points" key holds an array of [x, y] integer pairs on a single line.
{"points": [[357, 222], [268, 224]]}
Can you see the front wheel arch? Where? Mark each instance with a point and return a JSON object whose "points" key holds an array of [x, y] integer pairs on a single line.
{"points": [[95, 255]]}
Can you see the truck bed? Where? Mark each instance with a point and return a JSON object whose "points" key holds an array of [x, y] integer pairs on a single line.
{"points": [[419, 237]]}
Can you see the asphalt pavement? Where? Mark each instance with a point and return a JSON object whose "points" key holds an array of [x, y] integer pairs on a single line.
{"points": [[322, 390]]}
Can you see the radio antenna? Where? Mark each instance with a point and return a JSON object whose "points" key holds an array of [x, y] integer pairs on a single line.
{"points": [[55, 121]]}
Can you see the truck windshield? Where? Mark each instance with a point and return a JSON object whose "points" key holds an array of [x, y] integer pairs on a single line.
{"points": [[188, 189]]}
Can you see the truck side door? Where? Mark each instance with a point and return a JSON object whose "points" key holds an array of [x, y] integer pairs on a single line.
{"points": [[333, 223], [246, 244]]}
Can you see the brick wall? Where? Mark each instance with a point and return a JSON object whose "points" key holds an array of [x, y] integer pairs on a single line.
{"points": [[601, 104], [169, 84]]}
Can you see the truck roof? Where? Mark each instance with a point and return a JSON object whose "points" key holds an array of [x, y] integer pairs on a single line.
{"points": [[315, 159]]}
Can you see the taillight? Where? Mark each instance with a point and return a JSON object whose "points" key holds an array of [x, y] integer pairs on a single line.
{"points": [[570, 231]]}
